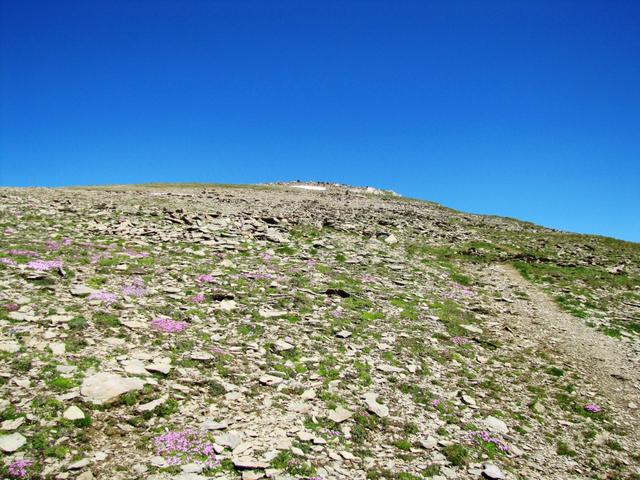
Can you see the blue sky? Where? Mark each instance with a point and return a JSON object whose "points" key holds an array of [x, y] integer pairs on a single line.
{"points": [[529, 109]]}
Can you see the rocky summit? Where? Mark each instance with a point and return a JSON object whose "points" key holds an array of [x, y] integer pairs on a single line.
{"points": [[309, 331]]}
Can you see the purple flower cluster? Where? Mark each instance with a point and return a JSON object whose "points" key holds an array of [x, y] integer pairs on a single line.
{"points": [[197, 298], [592, 408], [42, 265], [459, 340], [168, 325], [219, 351], [95, 258], [266, 257], [205, 278], [23, 253], [436, 403], [66, 241], [366, 278], [8, 261], [135, 289], [484, 436], [459, 290], [105, 297], [11, 307], [187, 446], [51, 245], [18, 468], [258, 276]]}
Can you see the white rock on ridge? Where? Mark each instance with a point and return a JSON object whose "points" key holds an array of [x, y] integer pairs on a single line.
{"points": [[317, 188]]}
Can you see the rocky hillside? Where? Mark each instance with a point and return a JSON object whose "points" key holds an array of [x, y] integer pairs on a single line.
{"points": [[202, 331]]}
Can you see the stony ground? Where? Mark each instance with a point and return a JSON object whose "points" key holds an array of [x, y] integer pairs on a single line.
{"points": [[189, 331]]}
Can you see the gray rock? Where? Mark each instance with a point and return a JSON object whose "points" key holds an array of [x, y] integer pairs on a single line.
{"points": [[9, 347], [340, 414], [73, 413], [9, 425], [282, 346], [374, 407], [429, 443], [496, 425], [270, 380], [11, 443], [106, 387], [79, 464], [81, 291], [493, 472], [248, 463], [152, 405]]}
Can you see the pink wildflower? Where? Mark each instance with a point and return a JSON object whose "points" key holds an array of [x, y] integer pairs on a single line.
{"points": [[592, 408], [51, 245], [42, 265], [266, 257], [18, 468], [168, 325], [484, 436], [8, 231], [66, 241], [205, 278], [105, 297], [435, 403], [8, 261], [135, 289], [95, 258], [11, 307], [23, 253], [257, 275], [459, 340], [197, 298], [188, 446]]}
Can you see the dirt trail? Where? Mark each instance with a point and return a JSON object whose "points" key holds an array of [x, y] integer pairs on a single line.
{"points": [[610, 364]]}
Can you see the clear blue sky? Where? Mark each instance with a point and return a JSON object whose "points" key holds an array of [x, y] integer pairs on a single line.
{"points": [[529, 109]]}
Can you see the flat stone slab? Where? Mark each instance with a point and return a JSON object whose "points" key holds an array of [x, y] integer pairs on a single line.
{"points": [[106, 387], [11, 443]]}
